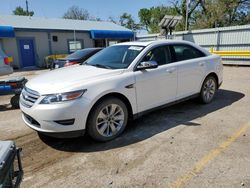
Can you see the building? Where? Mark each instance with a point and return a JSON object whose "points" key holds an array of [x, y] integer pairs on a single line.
{"points": [[29, 39], [232, 43]]}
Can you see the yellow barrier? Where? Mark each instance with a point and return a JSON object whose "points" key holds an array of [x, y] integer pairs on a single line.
{"points": [[230, 53], [56, 56], [51, 58]]}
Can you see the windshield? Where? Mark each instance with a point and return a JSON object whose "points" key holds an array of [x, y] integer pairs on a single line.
{"points": [[115, 57]]}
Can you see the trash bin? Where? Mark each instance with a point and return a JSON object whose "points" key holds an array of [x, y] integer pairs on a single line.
{"points": [[11, 171]]}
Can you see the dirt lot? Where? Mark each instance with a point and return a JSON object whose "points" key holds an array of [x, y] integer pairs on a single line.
{"points": [[186, 145]]}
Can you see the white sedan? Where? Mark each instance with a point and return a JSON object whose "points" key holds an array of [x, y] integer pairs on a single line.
{"points": [[119, 83]]}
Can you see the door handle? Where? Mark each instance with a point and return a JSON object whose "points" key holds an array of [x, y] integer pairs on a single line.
{"points": [[201, 64]]}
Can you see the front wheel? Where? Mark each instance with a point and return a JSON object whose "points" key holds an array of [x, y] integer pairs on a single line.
{"points": [[208, 90], [107, 119]]}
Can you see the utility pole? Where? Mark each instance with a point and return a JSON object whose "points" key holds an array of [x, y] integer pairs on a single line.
{"points": [[27, 7], [187, 10]]}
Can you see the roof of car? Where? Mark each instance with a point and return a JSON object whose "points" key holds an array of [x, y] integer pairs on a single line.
{"points": [[163, 41], [155, 42]]}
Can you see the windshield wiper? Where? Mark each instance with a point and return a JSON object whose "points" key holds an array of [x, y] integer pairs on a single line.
{"points": [[84, 63]]}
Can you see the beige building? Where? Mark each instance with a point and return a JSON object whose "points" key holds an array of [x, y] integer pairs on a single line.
{"points": [[29, 39]]}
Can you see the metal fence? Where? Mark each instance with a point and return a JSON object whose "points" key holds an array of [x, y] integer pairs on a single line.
{"points": [[235, 38]]}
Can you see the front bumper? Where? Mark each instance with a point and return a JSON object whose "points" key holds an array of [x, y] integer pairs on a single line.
{"points": [[44, 117]]}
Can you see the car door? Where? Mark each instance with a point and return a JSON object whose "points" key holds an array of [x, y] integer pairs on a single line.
{"points": [[191, 68], [155, 87]]}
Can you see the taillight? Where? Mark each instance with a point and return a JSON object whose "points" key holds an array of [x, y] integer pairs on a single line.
{"points": [[70, 63], [8, 60]]}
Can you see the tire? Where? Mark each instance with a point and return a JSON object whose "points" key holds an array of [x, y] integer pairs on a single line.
{"points": [[208, 90], [14, 101], [107, 119]]}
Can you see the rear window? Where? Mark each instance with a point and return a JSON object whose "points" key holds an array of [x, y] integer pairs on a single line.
{"points": [[80, 54]]}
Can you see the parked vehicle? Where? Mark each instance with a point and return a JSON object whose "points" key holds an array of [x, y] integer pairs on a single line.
{"points": [[50, 59], [12, 86], [11, 171], [120, 82], [5, 64], [76, 58]]}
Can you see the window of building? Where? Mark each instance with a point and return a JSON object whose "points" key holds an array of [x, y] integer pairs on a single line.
{"points": [[75, 45], [112, 42], [54, 38], [99, 43]]}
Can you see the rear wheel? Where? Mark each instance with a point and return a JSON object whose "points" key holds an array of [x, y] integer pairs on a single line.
{"points": [[208, 90], [14, 101], [107, 119]]}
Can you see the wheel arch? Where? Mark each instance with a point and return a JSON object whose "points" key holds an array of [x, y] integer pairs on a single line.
{"points": [[120, 96], [214, 75]]}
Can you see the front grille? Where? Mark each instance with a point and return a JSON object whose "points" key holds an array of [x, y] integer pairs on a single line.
{"points": [[28, 97]]}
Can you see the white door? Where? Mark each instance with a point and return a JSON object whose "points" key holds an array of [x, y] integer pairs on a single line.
{"points": [[155, 87], [191, 69]]}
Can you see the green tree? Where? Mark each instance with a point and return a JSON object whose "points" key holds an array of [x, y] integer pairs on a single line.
{"points": [[221, 13], [150, 18], [76, 13], [127, 21], [201, 14], [21, 12], [112, 19], [180, 7]]}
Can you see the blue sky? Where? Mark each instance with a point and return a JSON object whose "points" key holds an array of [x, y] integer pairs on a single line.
{"points": [[98, 8]]}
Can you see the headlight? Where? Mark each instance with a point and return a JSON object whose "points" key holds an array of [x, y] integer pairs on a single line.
{"points": [[61, 97]]}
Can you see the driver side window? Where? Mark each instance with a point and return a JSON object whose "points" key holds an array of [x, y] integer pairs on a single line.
{"points": [[159, 54]]}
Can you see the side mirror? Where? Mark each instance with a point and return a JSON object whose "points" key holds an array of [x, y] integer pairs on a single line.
{"points": [[147, 65]]}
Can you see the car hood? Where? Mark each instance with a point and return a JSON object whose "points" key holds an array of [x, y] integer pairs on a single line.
{"points": [[69, 78]]}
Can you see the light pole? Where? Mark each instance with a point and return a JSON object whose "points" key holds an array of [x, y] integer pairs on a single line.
{"points": [[27, 7], [187, 7]]}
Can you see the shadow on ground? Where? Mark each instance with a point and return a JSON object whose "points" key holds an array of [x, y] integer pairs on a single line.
{"points": [[149, 125], [6, 107]]}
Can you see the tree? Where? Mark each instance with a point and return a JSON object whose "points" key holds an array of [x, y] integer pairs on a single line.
{"points": [[221, 13], [76, 13], [150, 18], [181, 9], [112, 19], [213, 13], [201, 14], [21, 12], [127, 21]]}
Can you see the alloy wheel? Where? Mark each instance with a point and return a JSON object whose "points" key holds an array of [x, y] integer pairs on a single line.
{"points": [[209, 90], [110, 120]]}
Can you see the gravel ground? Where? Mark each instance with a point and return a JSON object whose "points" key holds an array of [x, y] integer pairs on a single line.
{"points": [[186, 145]]}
